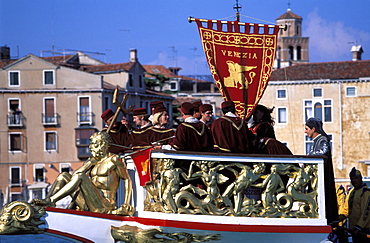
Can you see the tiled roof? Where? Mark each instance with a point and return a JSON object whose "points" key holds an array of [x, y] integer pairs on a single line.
{"points": [[153, 92], [118, 67], [289, 15], [57, 60], [323, 70], [158, 69], [180, 100], [4, 63]]}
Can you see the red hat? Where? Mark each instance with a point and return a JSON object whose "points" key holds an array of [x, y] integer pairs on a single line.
{"points": [[107, 114], [227, 104], [155, 104], [139, 112], [187, 108], [197, 104], [205, 107], [159, 109]]}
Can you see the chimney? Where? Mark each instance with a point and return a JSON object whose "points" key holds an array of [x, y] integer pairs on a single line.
{"points": [[4, 53], [356, 52], [133, 55]]}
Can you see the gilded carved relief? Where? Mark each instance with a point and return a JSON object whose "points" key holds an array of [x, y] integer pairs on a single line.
{"points": [[233, 189], [21, 218], [133, 234]]}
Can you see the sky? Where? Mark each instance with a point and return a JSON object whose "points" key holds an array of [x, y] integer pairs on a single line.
{"points": [[161, 33]]}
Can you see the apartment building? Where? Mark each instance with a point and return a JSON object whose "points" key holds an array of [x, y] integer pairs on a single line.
{"points": [[50, 107], [338, 93]]}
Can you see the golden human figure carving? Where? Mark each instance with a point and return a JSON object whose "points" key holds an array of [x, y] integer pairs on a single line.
{"points": [[304, 178], [93, 186], [237, 77], [273, 184], [170, 183], [245, 178], [210, 177]]}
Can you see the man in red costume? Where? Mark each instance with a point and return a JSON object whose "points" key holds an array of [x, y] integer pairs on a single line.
{"points": [[191, 135], [118, 133], [196, 105], [206, 111], [230, 132], [149, 134]]}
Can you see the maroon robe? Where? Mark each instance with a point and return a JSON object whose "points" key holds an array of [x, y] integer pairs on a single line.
{"points": [[193, 137], [231, 134], [145, 137], [119, 135]]}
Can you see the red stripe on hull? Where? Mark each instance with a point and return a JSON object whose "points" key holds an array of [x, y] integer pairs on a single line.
{"points": [[205, 226], [71, 236]]}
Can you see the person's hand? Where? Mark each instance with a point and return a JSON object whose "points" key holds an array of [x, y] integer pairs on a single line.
{"points": [[157, 147]]}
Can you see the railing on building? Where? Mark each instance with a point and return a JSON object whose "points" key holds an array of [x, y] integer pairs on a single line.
{"points": [[15, 120], [50, 120], [85, 118]]}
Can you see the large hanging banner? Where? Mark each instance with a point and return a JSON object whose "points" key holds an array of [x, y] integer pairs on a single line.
{"points": [[241, 57]]}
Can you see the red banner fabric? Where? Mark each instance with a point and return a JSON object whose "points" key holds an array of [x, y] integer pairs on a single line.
{"points": [[240, 59], [142, 163]]}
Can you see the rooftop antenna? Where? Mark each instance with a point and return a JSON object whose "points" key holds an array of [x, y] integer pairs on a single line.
{"points": [[288, 5], [237, 8], [196, 62], [174, 55]]}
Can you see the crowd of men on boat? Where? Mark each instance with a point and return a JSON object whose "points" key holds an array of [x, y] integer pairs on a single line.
{"points": [[199, 132]]}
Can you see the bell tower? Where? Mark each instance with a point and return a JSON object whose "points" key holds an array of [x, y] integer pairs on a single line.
{"points": [[292, 48]]}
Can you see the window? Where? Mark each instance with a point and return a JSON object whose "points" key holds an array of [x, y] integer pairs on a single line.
{"points": [[140, 81], [106, 103], [48, 77], [39, 172], [299, 54], [291, 53], [15, 197], [83, 152], [130, 80], [84, 116], [15, 176], [65, 168], [309, 143], [321, 109], [83, 141], [15, 117], [351, 91], [173, 85], [15, 142], [282, 115], [49, 116], [281, 94], [14, 79], [83, 136], [317, 92], [50, 141]]}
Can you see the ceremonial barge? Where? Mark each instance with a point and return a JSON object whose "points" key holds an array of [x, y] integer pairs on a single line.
{"points": [[211, 197], [179, 196]]}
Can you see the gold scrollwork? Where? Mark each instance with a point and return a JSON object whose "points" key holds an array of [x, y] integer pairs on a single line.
{"points": [[133, 234], [21, 218]]}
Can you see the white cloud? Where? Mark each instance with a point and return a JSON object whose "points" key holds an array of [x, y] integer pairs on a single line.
{"points": [[329, 40]]}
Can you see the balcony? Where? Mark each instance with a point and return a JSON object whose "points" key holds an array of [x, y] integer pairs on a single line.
{"points": [[50, 120], [85, 118], [15, 120]]}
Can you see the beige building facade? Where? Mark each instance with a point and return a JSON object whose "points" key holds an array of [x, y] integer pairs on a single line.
{"points": [[50, 107], [49, 112], [335, 92]]}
